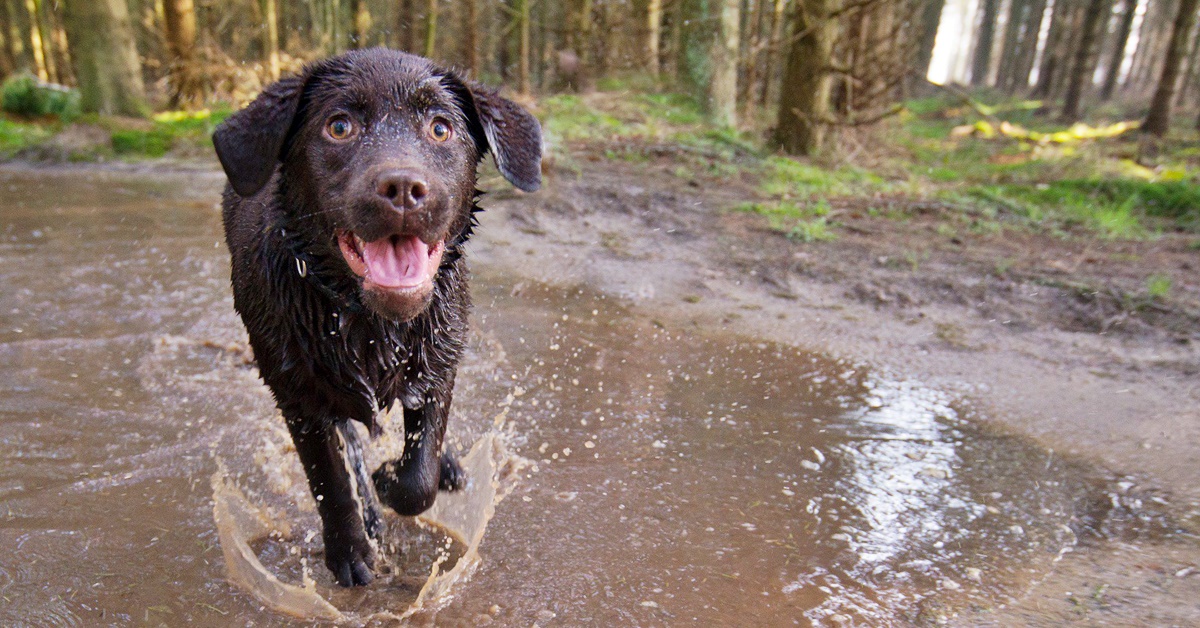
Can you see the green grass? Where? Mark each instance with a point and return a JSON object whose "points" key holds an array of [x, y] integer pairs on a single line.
{"points": [[802, 223], [791, 179], [1072, 188], [1114, 208], [178, 131], [16, 135]]}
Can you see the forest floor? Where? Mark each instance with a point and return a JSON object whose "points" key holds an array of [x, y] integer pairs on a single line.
{"points": [[1055, 286], [1069, 317]]}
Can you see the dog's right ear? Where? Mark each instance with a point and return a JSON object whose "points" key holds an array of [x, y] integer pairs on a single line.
{"points": [[249, 142]]}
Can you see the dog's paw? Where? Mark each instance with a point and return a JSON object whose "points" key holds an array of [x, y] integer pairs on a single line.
{"points": [[406, 490], [453, 476], [350, 562]]}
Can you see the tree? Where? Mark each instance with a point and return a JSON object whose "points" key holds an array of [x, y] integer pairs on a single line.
{"points": [[1057, 46], [180, 19], [653, 35], [470, 51], [8, 55], [1159, 119], [521, 25], [35, 41], [804, 96], [15, 41], [774, 44], [1019, 58], [362, 24], [431, 19], [1113, 68], [271, 38], [1082, 68], [722, 88], [106, 61], [982, 62], [931, 19]]}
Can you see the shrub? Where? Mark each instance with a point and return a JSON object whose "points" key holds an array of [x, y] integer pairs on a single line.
{"points": [[24, 95]]}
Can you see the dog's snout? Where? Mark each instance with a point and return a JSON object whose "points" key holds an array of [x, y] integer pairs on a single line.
{"points": [[404, 189]]}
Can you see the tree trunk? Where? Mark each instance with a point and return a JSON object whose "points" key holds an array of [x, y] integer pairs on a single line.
{"points": [[362, 24], [470, 38], [1081, 69], [654, 35], [106, 61], [16, 42], [334, 24], [983, 46], [931, 19], [1113, 69], [1152, 44], [1025, 51], [722, 87], [271, 38], [750, 54], [1009, 53], [804, 96], [61, 47], [1159, 119], [431, 18], [1191, 70], [8, 61], [35, 41], [406, 25], [521, 15], [180, 19], [1057, 44], [772, 52]]}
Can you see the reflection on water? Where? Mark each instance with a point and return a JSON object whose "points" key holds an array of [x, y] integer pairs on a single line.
{"points": [[680, 475]]}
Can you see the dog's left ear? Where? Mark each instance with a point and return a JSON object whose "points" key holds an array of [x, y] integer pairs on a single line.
{"points": [[250, 142], [512, 134]]}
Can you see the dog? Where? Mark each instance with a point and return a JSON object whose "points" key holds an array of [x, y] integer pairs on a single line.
{"points": [[351, 194]]}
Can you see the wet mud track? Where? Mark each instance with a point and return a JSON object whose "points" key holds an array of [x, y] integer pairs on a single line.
{"points": [[675, 473]]}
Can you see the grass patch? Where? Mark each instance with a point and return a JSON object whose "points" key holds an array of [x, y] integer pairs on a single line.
{"points": [[801, 223], [1115, 208], [790, 179], [17, 135], [178, 131], [1158, 286]]}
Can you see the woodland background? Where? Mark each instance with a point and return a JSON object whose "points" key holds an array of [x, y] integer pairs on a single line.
{"points": [[1058, 114]]}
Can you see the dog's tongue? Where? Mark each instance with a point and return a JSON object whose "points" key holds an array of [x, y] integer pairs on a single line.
{"points": [[397, 262]]}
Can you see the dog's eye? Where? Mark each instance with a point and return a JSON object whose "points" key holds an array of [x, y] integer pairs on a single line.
{"points": [[439, 130], [339, 128]]}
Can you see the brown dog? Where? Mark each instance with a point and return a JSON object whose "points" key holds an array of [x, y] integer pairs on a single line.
{"points": [[350, 197]]}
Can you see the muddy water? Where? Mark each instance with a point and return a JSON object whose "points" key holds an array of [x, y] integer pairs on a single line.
{"points": [[676, 475]]}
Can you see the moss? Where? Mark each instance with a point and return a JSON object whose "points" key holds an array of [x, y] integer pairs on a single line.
{"points": [[17, 135]]}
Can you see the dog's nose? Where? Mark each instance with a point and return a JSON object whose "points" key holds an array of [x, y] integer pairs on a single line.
{"points": [[404, 189]]}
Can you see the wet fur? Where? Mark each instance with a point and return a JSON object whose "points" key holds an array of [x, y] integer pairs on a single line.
{"points": [[328, 353]]}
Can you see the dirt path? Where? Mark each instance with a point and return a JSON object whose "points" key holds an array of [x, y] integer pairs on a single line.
{"points": [[1046, 337]]}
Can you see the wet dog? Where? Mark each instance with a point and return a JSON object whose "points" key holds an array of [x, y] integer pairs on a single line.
{"points": [[351, 194]]}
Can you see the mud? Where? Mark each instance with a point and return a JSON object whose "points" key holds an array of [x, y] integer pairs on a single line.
{"points": [[699, 449]]}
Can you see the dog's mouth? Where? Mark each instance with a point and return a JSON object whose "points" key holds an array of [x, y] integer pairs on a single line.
{"points": [[397, 263]]}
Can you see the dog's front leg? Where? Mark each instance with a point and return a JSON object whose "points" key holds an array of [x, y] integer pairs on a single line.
{"points": [[409, 485], [348, 553]]}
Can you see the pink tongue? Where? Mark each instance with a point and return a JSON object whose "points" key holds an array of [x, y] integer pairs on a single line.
{"points": [[396, 262]]}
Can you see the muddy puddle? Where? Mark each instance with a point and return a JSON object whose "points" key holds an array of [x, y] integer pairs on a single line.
{"points": [[641, 472]]}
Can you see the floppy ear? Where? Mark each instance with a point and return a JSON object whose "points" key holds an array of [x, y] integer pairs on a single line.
{"points": [[249, 142], [512, 134]]}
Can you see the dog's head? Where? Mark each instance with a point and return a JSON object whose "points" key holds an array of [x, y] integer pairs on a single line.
{"points": [[378, 151]]}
